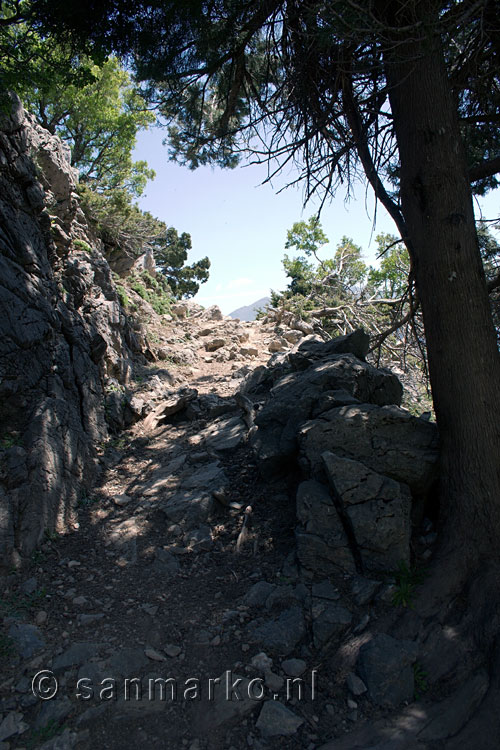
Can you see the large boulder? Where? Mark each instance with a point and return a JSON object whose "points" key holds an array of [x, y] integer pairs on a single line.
{"points": [[387, 439], [336, 380], [311, 347], [376, 508], [322, 544]]}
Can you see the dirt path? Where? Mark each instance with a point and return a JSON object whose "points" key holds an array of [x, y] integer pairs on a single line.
{"points": [[128, 596], [173, 613]]}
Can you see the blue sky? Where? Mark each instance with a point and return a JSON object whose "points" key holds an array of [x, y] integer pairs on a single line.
{"points": [[241, 224]]}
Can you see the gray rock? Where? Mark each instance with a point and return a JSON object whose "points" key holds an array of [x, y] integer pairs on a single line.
{"points": [[123, 538], [81, 601], [176, 402], [357, 343], [214, 344], [205, 476], [262, 662], [75, 656], [233, 699], [88, 619], [280, 635], [172, 650], [325, 590], [322, 544], [297, 396], [203, 637], [275, 719], [121, 500], [128, 662], [294, 667], [164, 478], [387, 439], [355, 685], [190, 507], [281, 597], [378, 736], [91, 671], [362, 624], [53, 712], [293, 337], [331, 399], [273, 681], [212, 313], [258, 594], [23, 686], [61, 334], [378, 509], [11, 725], [278, 345], [364, 589], [329, 621], [29, 586], [386, 667], [179, 309], [224, 434], [28, 639]]}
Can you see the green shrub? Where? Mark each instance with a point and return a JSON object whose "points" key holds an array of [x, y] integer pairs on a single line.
{"points": [[122, 296], [406, 579], [82, 245], [155, 291]]}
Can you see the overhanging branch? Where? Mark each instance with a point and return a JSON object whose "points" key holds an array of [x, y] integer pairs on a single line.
{"points": [[486, 168]]}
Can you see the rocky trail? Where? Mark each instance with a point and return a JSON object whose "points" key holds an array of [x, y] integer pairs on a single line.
{"points": [[212, 533], [190, 606]]}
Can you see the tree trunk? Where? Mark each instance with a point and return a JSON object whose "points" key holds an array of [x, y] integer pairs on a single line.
{"points": [[464, 362]]}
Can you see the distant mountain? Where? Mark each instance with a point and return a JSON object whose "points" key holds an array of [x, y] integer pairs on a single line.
{"points": [[250, 311]]}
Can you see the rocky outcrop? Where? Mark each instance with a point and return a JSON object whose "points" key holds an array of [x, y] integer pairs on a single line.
{"points": [[366, 464], [336, 380], [61, 333]]}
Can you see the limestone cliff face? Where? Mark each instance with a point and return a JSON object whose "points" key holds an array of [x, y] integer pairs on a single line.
{"points": [[62, 332]]}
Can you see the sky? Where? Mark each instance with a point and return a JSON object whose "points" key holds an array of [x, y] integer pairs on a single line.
{"points": [[242, 225]]}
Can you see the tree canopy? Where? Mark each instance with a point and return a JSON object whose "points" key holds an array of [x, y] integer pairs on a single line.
{"points": [[341, 293], [170, 252], [99, 120]]}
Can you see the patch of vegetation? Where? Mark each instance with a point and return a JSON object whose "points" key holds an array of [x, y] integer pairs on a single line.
{"points": [[86, 501], [15, 605], [119, 443], [82, 245], [114, 388], [122, 296], [154, 290], [420, 680], [406, 579], [9, 440]]}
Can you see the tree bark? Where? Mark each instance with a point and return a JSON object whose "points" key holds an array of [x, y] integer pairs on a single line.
{"points": [[464, 363]]}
